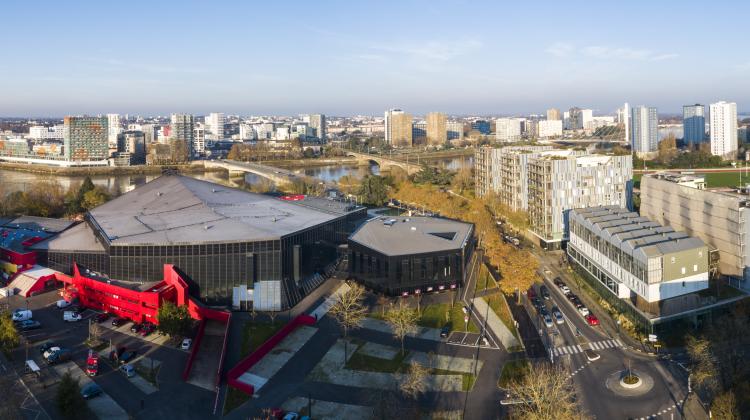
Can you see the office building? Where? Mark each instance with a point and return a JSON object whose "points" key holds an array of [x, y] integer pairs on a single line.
{"points": [[247, 132], [437, 134], [410, 255], [150, 133], [199, 139], [182, 131], [549, 128], [635, 258], [114, 128], [455, 130], [553, 114], [557, 184], [719, 216], [39, 132], [215, 126], [508, 130], [398, 128], [483, 126], [742, 134], [693, 123], [85, 138], [133, 143], [723, 129], [644, 125], [218, 237], [318, 124]]}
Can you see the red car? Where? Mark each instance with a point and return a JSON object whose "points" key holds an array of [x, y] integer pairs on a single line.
{"points": [[592, 319], [531, 293], [92, 364]]}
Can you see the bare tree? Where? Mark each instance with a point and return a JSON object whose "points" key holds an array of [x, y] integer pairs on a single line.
{"points": [[704, 371], [724, 407], [414, 381], [383, 301], [545, 393], [95, 334], [348, 310], [402, 320]]}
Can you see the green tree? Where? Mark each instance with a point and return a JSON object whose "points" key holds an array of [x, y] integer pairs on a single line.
{"points": [[94, 198], [174, 320], [9, 337], [374, 190], [69, 400]]}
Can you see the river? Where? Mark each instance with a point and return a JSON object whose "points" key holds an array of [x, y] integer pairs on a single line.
{"points": [[19, 181]]}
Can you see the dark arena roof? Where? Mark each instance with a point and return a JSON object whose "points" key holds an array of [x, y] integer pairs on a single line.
{"points": [[412, 235], [175, 209]]}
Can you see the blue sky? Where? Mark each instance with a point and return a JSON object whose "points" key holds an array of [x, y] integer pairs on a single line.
{"points": [[357, 57]]}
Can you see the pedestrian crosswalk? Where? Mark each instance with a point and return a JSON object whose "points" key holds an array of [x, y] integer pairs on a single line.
{"points": [[578, 348]]}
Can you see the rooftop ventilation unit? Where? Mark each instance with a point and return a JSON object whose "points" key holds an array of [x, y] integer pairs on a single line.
{"points": [[158, 193]]}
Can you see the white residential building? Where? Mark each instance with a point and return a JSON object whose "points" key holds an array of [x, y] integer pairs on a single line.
{"points": [[247, 132], [549, 128], [215, 126], [508, 129], [644, 125], [723, 129], [114, 128], [39, 132]]}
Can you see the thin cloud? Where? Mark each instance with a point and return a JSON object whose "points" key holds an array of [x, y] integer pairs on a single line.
{"points": [[603, 52], [432, 50]]}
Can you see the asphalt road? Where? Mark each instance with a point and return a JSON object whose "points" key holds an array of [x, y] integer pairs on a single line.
{"points": [[669, 386]]}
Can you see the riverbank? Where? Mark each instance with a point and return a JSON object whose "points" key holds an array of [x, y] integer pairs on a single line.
{"points": [[196, 167], [309, 163]]}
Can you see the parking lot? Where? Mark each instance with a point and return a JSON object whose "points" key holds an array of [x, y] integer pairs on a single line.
{"points": [[467, 339], [136, 397]]}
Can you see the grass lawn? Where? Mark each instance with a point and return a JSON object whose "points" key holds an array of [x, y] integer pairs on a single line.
{"points": [[253, 335], [485, 280], [496, 301], [367, 363], [438, 315], [513, 371]]}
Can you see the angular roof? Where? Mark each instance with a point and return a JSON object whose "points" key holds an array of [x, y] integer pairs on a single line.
{"points": [[175, 209], [635, 235], [78, 238], [412, 235]]}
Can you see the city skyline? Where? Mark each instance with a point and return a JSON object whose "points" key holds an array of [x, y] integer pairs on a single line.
{"points": [[348, 59]]}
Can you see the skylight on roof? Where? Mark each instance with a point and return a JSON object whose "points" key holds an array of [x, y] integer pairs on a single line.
{"points": [[445, 235]]}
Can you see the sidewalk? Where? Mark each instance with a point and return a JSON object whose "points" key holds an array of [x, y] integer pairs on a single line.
{"points": [[495, 324]]}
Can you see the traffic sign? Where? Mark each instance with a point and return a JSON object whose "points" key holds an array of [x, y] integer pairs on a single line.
{"points": [[652, 338]]}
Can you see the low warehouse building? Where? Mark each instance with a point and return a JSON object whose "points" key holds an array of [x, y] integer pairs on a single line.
{"points": [[405, 255]]}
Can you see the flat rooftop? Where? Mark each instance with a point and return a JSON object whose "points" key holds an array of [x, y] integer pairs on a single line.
{"points": [[18, 234], [412, 235], [634, 234], [175, 209]]}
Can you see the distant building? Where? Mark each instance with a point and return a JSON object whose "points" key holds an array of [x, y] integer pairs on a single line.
{"points": [[557, 184], [483, 126], [247, 132], [549, 128], [182, 130], [199, 139], [39, 132], [419, 132], [553, 114], [133, 143], [215, 126], [578, 118], [635, 258], [723, 129], [318, 123], [742, 134], [623, 117], [14, 146], [436, 128], [114, 128], [455, 130], [693, 123], [398, 128], [86, 138], [150, 133], [400, 256], [503, 171], [644, 126], [508, 130]]}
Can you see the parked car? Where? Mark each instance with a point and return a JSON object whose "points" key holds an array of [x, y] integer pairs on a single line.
{"points": [[90, 390], [62, 303], [50, 350], [115, 354], [558, 282], [29, 324], [547, 321], [543, 311], [537, 303], [102, 317], [92, 363], [61, 355], [135, 328], [565, 289], [21, 315], [118, 322], [572, 297], [291, 416], [70, 316], [445, 332], [186, 343], [583, 310], [544, 292], [46, 346], [147, 329], [531, 293], [558, 316], [128, 370], [592, 320]]}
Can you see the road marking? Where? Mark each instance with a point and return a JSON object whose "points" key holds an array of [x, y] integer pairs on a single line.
{"points": [[619, 343], [579, 348]]}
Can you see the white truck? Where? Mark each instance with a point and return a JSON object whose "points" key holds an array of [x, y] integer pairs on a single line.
{"points": [[70, 316], [21, 315]]}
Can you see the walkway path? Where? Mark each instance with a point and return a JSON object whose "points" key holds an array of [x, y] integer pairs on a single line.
{"points": [[495, 324]]}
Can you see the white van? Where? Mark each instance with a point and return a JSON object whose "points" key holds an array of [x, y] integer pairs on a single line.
{"points": [[21, 315], [70, 316], [62, 303]]}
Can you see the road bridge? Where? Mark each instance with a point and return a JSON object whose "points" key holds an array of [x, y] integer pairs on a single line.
{"points": [[385, 162], [277, 175]]}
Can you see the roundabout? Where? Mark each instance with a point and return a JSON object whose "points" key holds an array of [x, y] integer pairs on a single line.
{"points": [[633, 383]]}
